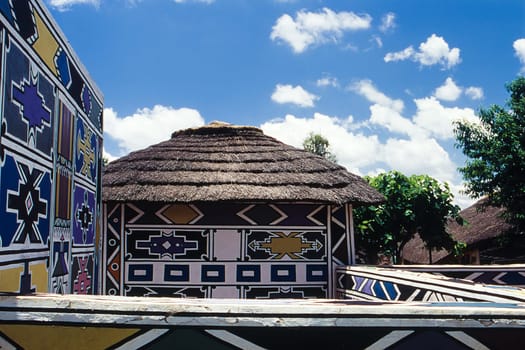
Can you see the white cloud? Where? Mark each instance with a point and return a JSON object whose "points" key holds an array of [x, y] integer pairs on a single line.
{"points": [[449, 91], [353, 150], [388, 21], [434, 50], [474, 92], [327, 81], [431, 119], [438, 120], [400, 55], [392, 120], [367, 89], [293, 94], [148, 126], [314, 28], [366, 154], [460, 198], [418, 149], [63, 5], [419, 156], [519, 47], [107, 155]]}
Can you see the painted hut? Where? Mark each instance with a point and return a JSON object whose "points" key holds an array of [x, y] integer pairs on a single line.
{"points": [[484, 224], [226, 211]]}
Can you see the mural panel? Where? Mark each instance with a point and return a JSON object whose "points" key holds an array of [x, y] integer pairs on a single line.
{"points": [[248, 251], [48, 209]]}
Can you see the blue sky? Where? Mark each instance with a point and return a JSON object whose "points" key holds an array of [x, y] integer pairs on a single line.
{"points": [[382, 80]]}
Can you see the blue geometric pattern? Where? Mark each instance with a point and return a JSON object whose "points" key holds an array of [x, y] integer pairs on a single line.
{"points": [[24, 203], [283, 273], [32, 108], [213, 273], [37, 165], [177, 273], [316, 273], [375, 288], [249, 273], [167, 245], [141, 273]]}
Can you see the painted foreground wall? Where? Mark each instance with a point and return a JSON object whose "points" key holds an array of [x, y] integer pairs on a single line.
{"points": [[50, 157], [68, 322], [395, 284], [508, 275], [223, 250]]}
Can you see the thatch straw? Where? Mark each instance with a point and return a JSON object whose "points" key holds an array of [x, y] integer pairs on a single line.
{"points": [[483, 223], [221, 162]]}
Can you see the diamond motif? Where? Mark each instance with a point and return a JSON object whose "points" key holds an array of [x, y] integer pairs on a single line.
{"points": [[29, 202], [262, 214], [167, 245], [181, 214]]}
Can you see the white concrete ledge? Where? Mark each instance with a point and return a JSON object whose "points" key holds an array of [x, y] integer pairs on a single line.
{"points": [[170, 312]]}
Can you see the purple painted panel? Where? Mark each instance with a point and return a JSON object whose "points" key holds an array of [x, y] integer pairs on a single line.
{"points": [[84, 216]]}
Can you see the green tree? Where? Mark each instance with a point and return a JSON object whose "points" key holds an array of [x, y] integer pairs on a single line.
{"points": [[317, 144], [495, 148], [415, 204]]}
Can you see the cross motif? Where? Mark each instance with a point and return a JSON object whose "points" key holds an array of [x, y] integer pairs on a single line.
{"points": [[27, 205], [84, 147], [84, 217], [82, 282], [31, 103]]}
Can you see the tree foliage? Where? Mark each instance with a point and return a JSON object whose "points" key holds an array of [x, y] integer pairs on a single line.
{"points": [[495, 148], [317, 144], [415, 204]]}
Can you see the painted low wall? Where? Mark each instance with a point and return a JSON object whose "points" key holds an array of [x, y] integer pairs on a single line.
{"points": [[50, 157], [396, 284], [508, 275], [101, 322]]}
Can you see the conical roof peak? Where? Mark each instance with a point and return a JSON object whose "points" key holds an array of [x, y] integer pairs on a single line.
{"points": [[218, 128]]}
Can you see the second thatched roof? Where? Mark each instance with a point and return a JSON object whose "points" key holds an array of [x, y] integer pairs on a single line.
{"points": [[483, 223], [222, 162]]}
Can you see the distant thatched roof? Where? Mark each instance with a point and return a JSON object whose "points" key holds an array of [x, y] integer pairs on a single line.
{"points": [[482, 223], [221, 162]]}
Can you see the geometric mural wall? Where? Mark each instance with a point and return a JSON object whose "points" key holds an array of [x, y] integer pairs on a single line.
{"points": [[223, 250], [399, 285], [50, 157]]}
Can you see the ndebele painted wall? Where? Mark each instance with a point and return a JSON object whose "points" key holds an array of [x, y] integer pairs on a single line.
{"points": [[224, 250], [50, 157]]}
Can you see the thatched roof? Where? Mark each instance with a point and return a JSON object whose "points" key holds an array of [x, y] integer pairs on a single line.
{"points": [[482, 223], [222, 162]]}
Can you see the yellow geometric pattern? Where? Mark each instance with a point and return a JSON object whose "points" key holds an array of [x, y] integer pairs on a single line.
{"points": [[84, 146], [39, 277], [287, 245], [180, 214], [10, 279], [45, 45], [65, 337]]}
